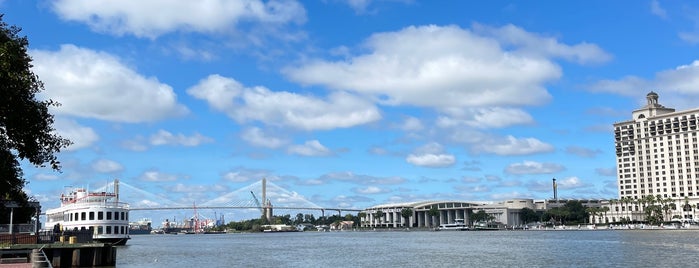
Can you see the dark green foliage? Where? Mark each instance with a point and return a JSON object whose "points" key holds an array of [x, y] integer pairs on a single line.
{"points": [[529, 215], [573, 212], [481, 216], [26, 131]]}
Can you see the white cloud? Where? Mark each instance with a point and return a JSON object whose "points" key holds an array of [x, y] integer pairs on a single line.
{"points": [[106, 166], [245, 175], [256, 137], [533, 45], [339, 110], [163, 137], [412, 124], [582, 152], [431, 155], [491, 117], [514, 146], [157, 17], [370, 190], [533, 167], [137, 144], [657, 10], [81, 136], [438, 67], [98, 85], [570, 183], [359, 179], [156, 176], [309, 148], [679, 85], [45, 177]]}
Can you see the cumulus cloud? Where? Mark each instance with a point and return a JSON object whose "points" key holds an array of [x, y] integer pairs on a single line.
{"points": [[339, 110], [438, 67], [98, 85], [565, 184], [679, 85], [309, 148], [609, 172], [491, 117], [533, 45], [511, 145], [532, 167], [163, 137], [431, 155], [351, 177], [106, 166], [81, 136], [257, 137], [582, 152], [370, 190], [657, 10], [411, 124], [157, 17], [246, 175], [156, 176]]}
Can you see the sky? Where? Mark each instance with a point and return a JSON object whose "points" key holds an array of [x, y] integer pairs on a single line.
{"points": [[350, 103]]}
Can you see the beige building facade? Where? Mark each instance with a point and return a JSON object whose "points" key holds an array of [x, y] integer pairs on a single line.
{"points": [[657, 153]]}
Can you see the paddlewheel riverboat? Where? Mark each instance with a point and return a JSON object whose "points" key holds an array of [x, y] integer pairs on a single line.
{"points": [[100, 212]]}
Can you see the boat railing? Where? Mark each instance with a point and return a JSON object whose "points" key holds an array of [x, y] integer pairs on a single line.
{"points": [[108, 204], [46, 237]]}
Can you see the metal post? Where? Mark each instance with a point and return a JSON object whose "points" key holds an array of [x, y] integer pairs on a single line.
{"points": [[12, 215]]}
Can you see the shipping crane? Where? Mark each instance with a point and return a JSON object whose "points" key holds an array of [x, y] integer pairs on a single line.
{"points": [[257, 202]]}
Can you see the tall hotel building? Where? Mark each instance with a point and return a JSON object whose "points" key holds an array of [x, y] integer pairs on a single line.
{"points": [[657, 153]]}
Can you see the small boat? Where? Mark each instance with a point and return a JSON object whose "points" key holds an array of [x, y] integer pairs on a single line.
{"points": [[488, 226], [99, 212], [458, 225]]}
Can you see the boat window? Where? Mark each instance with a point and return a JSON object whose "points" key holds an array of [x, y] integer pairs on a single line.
{"points": [[122, 216], [71, 216], [109, 215], [100, 215], [109, 228], [92, 215], [127, 216], [75, 216], [123, 229], [116, 215], [83, 216], [99, 229]]}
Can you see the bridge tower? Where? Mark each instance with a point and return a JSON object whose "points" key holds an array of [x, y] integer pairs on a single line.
{"points": [[266, 204]]}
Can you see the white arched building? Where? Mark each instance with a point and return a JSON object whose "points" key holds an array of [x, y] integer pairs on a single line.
{"points": [[391, 215]]}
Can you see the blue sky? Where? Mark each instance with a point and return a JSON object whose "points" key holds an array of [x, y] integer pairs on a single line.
{"points": [[351, 103]]}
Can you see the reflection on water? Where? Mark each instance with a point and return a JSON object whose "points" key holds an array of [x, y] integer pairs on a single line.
{"points": [[608, 248]]}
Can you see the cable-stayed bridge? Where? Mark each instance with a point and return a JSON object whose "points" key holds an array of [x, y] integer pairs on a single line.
{"points": [[259, 198]]}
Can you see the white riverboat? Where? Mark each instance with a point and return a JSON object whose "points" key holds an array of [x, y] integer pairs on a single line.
{"points": [[100, 212], [458, 225]]}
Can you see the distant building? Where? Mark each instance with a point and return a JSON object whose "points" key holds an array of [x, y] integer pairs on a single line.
{"points": [[448, 212], [657, 153]]}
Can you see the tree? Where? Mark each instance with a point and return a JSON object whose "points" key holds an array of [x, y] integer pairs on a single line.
{"points": [[529, 215], [434, 211], [406, 213], [26, 131], [481, 215], [378, 215]]}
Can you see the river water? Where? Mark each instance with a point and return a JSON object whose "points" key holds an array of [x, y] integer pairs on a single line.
{"points": [[571, 248]]}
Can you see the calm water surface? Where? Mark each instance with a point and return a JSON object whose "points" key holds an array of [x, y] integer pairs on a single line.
{"points": [[608, 248]]}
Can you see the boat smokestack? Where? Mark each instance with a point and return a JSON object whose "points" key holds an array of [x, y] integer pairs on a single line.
{"points": [[116, 189], [555, 190]]}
